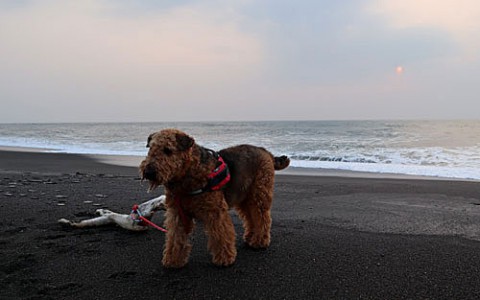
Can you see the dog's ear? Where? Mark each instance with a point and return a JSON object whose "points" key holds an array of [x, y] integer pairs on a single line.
{"points": [[184, 142], [149, 139]]}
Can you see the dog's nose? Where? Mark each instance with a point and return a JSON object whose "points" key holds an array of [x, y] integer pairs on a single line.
{"points": [[149, 172]]}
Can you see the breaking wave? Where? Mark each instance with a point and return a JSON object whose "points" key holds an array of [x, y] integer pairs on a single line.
{"points": [[432, 148]]}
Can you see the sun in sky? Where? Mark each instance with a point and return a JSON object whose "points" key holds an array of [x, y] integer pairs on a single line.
{"points": [[399, 70]]}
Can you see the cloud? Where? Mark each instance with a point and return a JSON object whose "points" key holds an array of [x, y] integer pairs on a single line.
{"points": [[185, 36], [459, 18], [68, 51], [121, 60]]}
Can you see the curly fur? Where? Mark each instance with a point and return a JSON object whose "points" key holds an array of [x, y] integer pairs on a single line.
{"points": [[175, 161]]}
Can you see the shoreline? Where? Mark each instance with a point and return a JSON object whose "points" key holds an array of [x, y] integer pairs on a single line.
{"points": [[134, 161], [332, 237]]}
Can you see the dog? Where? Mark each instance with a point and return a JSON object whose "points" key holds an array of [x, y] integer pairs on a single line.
{"points": [[201, 184], [126, 221]]}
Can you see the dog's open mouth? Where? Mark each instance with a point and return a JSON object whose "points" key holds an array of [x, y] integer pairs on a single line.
{"points": [[148, 172], [152, 184]]}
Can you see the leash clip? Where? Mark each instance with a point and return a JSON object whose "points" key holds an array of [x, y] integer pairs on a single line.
{"points": [[136, 216]]}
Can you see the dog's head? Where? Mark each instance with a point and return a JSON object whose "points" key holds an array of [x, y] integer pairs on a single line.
{"points": [[169, 154]]}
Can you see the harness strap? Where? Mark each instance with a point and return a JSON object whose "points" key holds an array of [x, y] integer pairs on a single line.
{"points": [[219, 177]]}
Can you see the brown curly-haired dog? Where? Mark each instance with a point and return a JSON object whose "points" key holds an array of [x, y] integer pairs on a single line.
{"points": [[177, 162]]}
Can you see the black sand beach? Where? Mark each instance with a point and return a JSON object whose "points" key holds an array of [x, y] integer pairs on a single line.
{"points": [[332, 237]]}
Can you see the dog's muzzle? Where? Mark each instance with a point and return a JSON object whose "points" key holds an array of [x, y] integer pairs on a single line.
{"points": [[150, 173]]}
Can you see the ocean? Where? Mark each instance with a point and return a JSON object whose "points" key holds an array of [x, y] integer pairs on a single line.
{"points": [[426, 148]]}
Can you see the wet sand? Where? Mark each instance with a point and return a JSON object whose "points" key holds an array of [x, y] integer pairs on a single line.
{"points": [[332, 237]]}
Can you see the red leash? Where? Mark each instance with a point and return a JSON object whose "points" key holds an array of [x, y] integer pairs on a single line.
{"points": [[152, 224], [141, 218], [137, 216]]}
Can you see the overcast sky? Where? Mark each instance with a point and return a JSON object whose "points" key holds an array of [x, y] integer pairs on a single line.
{"points": [[119, 60]]}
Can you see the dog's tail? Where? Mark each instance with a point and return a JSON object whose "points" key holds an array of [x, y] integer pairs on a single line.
{"points": [[280, 162]]}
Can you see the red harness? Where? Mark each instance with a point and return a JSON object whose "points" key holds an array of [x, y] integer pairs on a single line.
{"points": [[219, 177], [221, 174]]}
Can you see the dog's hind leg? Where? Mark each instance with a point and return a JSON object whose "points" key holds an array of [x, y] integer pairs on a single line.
{"points": [[255, 211], [257, 225]]}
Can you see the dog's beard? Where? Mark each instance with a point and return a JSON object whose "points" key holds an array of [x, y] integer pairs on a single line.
{"points": [[152, 185]]}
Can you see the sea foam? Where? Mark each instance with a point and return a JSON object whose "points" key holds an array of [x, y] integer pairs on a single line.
{"points": [[426, 148]]}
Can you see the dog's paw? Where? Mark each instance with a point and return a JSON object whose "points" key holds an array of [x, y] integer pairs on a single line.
{"points": [[173, 264], [224, 261], [225, 256], [256, 241]]}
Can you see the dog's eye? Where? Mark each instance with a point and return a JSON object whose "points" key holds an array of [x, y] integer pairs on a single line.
{"points": [[167, 151]]}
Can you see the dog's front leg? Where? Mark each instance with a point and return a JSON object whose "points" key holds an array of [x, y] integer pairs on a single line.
{"points": [[177, 245], [221, 235]]}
